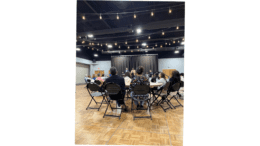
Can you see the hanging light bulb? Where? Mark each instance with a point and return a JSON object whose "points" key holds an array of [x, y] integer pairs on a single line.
{"points": [[102, 50], [152, 13], [125, 51], [128, 47], [83, 17], [92, 48], [83, 42], [117, 17], [178, 41], [134, 16], [97, 49], [138, 50], [173, 42], [162, 33], [147, 46], [165, 43], [132, 51], [101, 45], [98, 44], [115, 43], [170, 10], [183, 39], [169, 43], [88, 47], [149, 37], [137, 47], [106, 44], [137, 40], [125, 42], [161, 46], [177, 27], [119, 47], [100, 17], [93, 44], [155, 45]]}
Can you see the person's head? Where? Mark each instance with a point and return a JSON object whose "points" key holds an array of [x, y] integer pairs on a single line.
{"points": [[140, 70], [89, 76], [176, 76], [150, 70], [113, 71], [162, 75], [127, 74], [103, 75], [98, 74], [94, 75]]}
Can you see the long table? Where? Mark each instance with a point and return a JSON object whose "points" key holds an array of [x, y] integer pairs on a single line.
{"points": [[152, 84]]}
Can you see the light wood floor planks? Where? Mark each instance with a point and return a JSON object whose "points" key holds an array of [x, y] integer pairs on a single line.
{"points": [[165, 128]]}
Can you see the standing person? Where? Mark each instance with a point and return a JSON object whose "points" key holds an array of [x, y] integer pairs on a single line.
{"points": [[118, 80], [150, 73], [133, 73], [126, 70], [139, 78]]}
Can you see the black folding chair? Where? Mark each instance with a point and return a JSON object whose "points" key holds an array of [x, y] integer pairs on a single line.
{"points": [[141, 93], [164, 96], [175, 88], [113, 92], [94, 91], [88, 81], [97, 82]]}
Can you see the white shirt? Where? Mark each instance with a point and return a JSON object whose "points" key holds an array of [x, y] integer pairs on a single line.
{"points": [[161, 80]]}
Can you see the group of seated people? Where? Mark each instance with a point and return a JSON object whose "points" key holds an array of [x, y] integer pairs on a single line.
{"points": [[137, 77], [94, 77]]}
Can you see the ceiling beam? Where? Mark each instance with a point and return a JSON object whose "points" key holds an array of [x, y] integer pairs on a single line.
{"points": [[96, 13], [148, 26]]}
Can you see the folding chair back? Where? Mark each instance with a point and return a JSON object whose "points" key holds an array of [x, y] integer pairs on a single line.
{"points": [[165, 89], [141, 89], [93, 87], [88, 80], [176, 87], [98, 82]]}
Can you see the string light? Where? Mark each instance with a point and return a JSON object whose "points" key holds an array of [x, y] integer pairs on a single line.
{"points": [[128, 47], [173, 42], [132, 51], [83, 42], [101, 45], [169, 43], [170, 11], [92, 48], [152, 13], [88, 47], [165, 43], [119, 47], [83, 17], [147, 46], [138, 50], [137, 47], [97, 49], [149, 37], [115, 43], [161, 46], [134, 16], [125, 51], [183, 39], [106, 44], [126, 42], [155, 45], [177, 27], [178, 41], [137, 40], [117, 17], [98, 44], [162, 33], [100, 17], [93, 44], [89, 43]]}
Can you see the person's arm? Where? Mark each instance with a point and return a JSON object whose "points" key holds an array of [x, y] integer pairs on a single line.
{"points": [[160, 81]]}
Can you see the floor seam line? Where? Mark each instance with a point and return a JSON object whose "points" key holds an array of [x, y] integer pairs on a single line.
{"points": [[168, 130], [114, 132]]}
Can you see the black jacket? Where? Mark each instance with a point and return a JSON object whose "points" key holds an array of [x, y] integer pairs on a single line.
{"points": [[118, 80]]}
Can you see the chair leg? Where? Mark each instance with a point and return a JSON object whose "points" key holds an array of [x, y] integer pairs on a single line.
{"points": [[89, 104], [178, 101], [106, 109]]}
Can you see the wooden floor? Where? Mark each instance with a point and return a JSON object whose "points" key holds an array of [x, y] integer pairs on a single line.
{"points": [[165, 128]]}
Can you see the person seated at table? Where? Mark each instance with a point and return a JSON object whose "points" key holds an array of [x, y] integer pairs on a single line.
{"points": [[155, 77], [118, 80], [99, 78], [94, 77], [162, 80], [127, 78], [138, 79], [175, 78], [87, 77]]}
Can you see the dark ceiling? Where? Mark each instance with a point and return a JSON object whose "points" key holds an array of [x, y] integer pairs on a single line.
{"points": [[113, 31]]}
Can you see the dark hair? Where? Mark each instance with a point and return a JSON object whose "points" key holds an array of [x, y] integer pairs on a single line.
{"points": [[127, 74], [113, 70], [162, 75], [98, 74], [140, 70], [156, 75], [102, 75], [176, 76]]}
